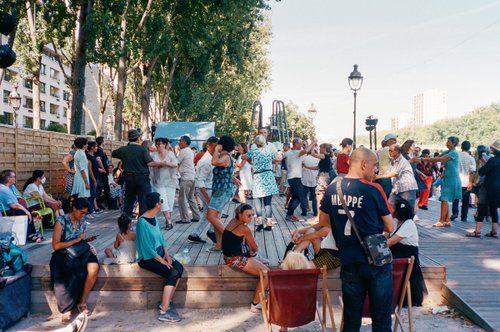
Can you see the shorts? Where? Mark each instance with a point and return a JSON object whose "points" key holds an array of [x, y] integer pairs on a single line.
{"points": [[323, 182], [328, 258], [219, 199], [236, 261]]}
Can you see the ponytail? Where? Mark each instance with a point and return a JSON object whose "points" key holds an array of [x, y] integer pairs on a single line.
{"points": [[35, 175]]}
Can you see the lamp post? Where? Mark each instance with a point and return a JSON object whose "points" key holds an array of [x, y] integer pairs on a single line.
{"points": [[109, 128], [311, 113], [293, 127], [15, 103], [355, 83]]}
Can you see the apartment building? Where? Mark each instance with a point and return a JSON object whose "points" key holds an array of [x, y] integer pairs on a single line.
{"points": [[429, 106]]}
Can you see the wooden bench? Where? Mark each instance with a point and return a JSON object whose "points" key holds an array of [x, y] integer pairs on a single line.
{"points": [[128, 287]]}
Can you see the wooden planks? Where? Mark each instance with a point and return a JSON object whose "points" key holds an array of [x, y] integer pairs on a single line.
{"points": [[24, 150]]}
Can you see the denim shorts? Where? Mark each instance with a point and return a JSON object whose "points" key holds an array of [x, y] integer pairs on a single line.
{"points": [[219, 199]]}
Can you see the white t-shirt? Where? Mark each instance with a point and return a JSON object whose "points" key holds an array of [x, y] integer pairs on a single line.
{"points": [[408, 232], [31, 188], [309, 176], [186, 164], [467, 164], [294, 164], [329, 242]]}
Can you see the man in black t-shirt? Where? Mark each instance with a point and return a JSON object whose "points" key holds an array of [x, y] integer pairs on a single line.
{"points": [[371, 212]]}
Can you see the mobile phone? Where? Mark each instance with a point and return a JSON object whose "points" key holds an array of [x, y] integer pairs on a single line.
{"points": [[91, 238]]}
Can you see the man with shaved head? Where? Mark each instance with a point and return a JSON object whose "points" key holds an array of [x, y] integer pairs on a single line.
{"points": [[371, 213]]}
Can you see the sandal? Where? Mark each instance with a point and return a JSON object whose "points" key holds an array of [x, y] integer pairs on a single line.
{"points": [[169, 226], [80, 323], [474, 234], [491, 234], [34, 239], [440, 224], [66, 317]]}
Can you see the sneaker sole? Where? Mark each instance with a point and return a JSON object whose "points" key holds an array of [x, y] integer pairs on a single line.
{"points": [[169, 320]]}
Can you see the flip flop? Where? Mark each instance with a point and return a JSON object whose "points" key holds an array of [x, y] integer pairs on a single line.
{"points": [[473, 234], [169, 226], [80, 323]]}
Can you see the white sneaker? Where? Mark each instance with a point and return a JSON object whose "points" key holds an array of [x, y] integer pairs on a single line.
{"points": [[255, 308], [416, 218]]}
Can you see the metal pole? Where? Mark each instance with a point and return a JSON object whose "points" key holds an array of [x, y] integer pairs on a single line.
{"points": [[286, 134], [370, 139], [375, 136], [257, 106], [354, 128]]}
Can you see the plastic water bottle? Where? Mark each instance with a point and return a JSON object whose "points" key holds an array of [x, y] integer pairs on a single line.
{"points": [[185, 259]]}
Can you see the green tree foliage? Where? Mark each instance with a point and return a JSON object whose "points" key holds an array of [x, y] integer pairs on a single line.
{"points": [[481, 126], [304, 127], [57, 127]]}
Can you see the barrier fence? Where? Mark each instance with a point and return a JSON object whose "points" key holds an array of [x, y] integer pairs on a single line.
{"points": [[24, 150]]}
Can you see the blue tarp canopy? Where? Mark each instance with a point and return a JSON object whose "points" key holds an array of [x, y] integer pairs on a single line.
{"points": [[199, 132]]}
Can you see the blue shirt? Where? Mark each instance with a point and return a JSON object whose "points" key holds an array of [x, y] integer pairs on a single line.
{"points": [[7, 196], [367, 203]]}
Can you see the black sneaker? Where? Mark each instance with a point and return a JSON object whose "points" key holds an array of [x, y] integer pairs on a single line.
{"points": [[234, 200], [211, 236], [452, 218], [423, 207], [268, 228], [195, 220], [196, 238], [182, 222], [224, 215], [259, 228]]}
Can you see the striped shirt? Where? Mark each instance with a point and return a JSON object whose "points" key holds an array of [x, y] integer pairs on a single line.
{"points": [[405, 179]]}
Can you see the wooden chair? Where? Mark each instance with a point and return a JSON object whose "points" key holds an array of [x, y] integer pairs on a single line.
{"points": [[292, 298], [401, 271]]}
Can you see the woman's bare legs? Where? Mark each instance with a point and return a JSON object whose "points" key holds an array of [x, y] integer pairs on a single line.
{"points": [[254, 267], [214, 218], [92, 271]]}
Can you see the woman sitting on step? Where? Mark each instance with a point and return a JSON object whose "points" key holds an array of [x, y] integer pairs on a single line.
{"points": [[239, 248], [74, 265], [152, 255]]}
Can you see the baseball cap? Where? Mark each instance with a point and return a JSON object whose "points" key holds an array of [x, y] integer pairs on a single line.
{"points": [[390, 136]]}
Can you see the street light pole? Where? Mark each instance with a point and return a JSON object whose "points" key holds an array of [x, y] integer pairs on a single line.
{"points": [[355, 82], [311, 113]]}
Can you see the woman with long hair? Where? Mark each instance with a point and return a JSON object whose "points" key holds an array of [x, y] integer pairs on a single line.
{"points": [[239, 247], [245, 173], [343, 157], [74, 265]]}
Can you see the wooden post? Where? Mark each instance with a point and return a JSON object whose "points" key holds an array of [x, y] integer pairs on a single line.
{"points": [[15, 149]]}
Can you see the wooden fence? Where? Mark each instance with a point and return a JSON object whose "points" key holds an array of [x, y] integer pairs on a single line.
{"points": [[24, 150]]}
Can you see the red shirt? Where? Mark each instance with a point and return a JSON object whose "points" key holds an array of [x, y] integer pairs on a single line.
{"points": [[198, 156], [343, 163]]}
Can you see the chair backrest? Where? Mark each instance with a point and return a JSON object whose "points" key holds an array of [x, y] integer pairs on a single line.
{"points": [[399, 268], [292, 296]]}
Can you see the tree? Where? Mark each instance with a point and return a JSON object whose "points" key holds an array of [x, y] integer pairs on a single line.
{"points": [[304, 127]]}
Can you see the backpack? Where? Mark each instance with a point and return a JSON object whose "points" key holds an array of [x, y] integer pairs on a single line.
{"points": [[13, 257]]}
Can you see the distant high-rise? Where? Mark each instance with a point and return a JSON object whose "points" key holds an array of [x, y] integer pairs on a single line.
{"points": [[401, 120], [428, 107]]}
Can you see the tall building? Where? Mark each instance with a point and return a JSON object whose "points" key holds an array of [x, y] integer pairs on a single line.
{"points": [[401, 120], [429, 106], [54, 93]]}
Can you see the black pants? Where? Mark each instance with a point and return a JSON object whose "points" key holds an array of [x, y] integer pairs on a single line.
{"points": [[171, 275], [465, 205], [104, 186], [298, 196], [136, 188], [487, 206]]}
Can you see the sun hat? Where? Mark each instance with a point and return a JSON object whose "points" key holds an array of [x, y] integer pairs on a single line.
{"points": [[133, 134], [496, 145]]}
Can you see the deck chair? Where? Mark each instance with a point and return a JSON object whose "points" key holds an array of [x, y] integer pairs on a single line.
{"points": [[292, 298], [41, 212], [401, 270]]}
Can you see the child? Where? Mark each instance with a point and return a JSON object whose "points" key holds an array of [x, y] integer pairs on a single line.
{"points": [[124, 246]]}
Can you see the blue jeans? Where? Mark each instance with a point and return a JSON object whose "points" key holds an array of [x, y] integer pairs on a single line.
{"points": [[263, 207], [312, 198], [359, 278], [298, 196]]}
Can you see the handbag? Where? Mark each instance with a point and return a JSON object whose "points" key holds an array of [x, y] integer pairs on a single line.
{"points": [[375, 246], [77, 249]]}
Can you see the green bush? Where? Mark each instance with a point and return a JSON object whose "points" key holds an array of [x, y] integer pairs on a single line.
{"points": [[57, 127], [92, 133]]}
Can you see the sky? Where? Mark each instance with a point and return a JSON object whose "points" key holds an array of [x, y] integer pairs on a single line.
{"points": [[402, 48]]}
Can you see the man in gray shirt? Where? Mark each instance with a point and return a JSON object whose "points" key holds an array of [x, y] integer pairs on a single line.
{"points": [[186, 185]]}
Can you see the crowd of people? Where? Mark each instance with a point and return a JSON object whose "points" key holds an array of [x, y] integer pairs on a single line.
{"points": [[384, 191]]}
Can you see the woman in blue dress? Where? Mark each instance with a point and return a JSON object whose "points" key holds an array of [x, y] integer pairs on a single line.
{"points": [[264, 183], [81, 182], [451, 188]]}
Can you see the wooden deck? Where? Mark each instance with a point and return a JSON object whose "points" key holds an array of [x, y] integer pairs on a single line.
{"points": [[472, 266]]}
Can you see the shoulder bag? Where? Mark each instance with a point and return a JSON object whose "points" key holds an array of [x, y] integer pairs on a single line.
{"points": [[375, 246]]}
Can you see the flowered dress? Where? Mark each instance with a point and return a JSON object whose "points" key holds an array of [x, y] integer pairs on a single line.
{"points": [[264, 183]]}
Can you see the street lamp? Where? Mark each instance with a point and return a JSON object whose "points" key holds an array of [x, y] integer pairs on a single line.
{"points": [[15, 103], [109, 128], [293, 127], [355, 83], [311, 113]]}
